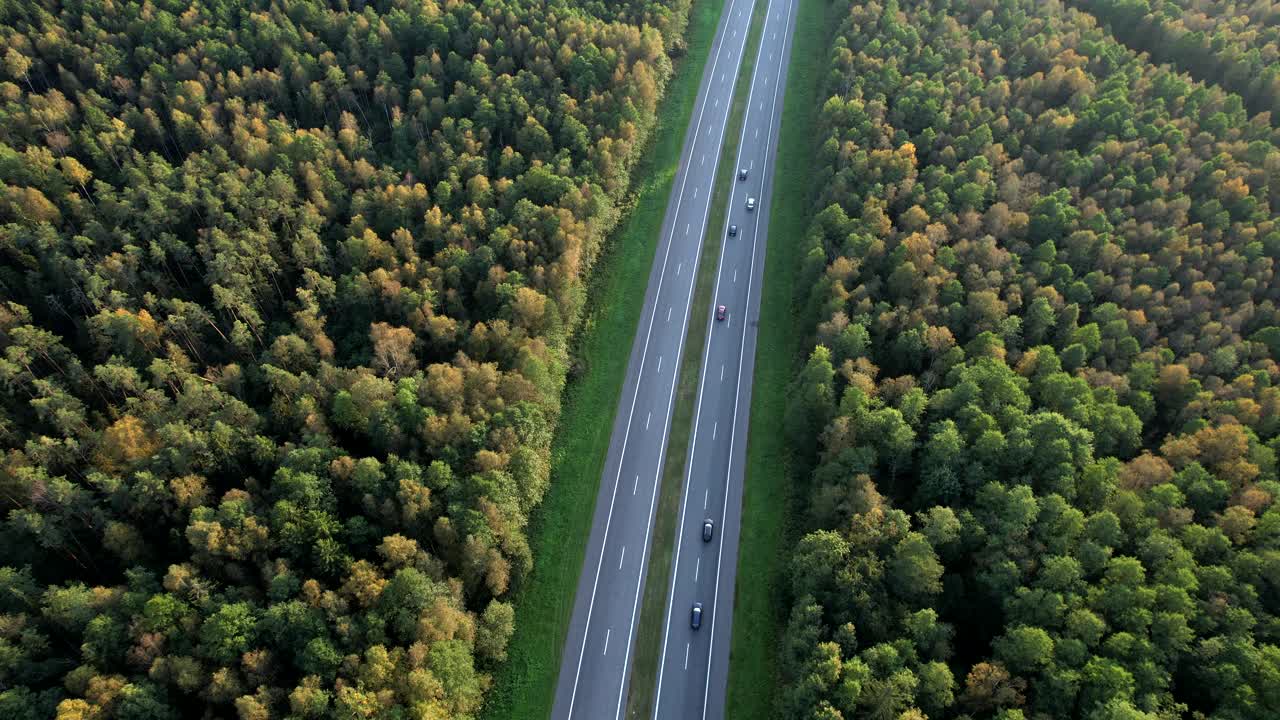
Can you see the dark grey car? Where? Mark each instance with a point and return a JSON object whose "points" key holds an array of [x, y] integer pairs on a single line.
{"points": [[695, 617]]}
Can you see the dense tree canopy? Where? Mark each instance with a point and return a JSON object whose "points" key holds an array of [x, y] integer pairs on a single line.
{"points": [[287, 289], [1235, 43], [1039, 420]]}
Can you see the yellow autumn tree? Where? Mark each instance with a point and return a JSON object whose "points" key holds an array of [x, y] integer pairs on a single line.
{"points": [[126, 441]]}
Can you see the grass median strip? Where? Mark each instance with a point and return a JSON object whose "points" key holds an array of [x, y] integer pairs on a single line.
{"points": [[524, 686], [759, 607], [644, 675]]}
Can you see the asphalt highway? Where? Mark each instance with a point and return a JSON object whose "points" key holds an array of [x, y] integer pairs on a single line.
{"points": [[694, 664], [596, 658]]}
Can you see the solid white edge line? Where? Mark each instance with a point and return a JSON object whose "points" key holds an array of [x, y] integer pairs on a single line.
{"points": [[737, 393], [653, 502], [666, 635], [604, 543]]}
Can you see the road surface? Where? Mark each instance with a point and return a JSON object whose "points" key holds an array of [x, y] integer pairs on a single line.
{"points": [[596, 659], [693, 667]]}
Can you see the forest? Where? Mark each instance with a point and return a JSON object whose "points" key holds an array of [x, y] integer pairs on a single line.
{"points": [[288, 294], [1235, 44], [1036, 421]]}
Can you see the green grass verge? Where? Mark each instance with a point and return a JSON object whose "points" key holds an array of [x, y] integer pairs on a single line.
{"points": [[524, 686], [759, 610], [644, 674]]}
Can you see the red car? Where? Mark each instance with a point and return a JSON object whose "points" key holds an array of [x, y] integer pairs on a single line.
{"points": [[720, 312]]}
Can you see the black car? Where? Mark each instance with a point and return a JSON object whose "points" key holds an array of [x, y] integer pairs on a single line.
{"points": [[742, 173], [708, 528], [695, 617], [733, 230]]}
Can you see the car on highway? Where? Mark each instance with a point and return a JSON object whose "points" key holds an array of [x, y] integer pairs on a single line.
{"points": [[695, 616], [733, 230], [708, 528], [751, 204], [720, 311], [742, 173]]}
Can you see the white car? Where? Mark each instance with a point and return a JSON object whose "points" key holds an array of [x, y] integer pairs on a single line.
{"points": [[751, 204]]}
